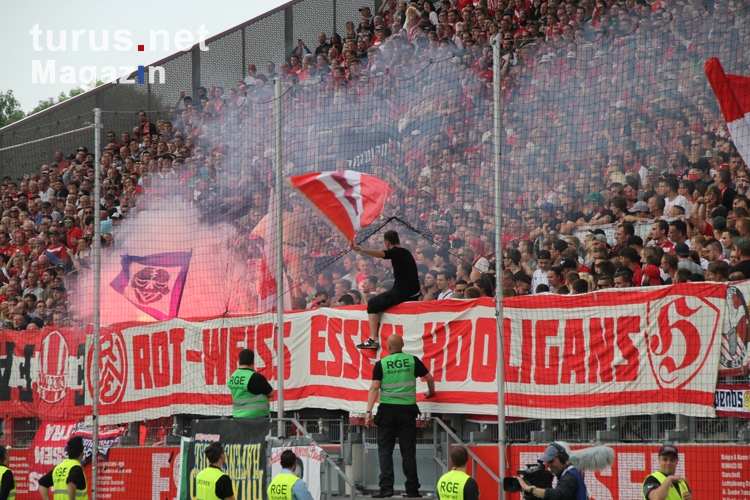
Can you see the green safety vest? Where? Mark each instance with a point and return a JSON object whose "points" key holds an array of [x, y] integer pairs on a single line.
{"points": [[674, 493], [281, 486], [12, 494], [60, 480], [399, 384], [245, 403], [451, 485], [205, 483]]}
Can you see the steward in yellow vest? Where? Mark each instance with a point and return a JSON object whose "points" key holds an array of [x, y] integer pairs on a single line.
{"points": [[457, 484], [67, 479], [395, 379], [7, 482], [211, 483], [286, 485], [250, 390], [665, 484]]}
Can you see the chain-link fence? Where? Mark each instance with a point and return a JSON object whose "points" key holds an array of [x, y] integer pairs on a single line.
{"points": [[269, 37]]}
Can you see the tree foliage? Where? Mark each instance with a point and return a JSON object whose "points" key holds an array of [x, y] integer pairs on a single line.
{"points": [[51, 101], [10, 108]]}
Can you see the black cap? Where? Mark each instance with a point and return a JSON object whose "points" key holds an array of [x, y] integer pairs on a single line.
{"points": [[635, 241], [668, 449], [682, 249], [58, 288], [597, 231], [46, 204], [544, 254], [569, 264], [83, 148]]}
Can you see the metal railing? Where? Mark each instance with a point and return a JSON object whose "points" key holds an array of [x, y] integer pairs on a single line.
{"points": [[475, 460], [329, 463]]}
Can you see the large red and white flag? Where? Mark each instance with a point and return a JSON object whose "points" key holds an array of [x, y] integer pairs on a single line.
{"points": [[350, 200], [733, 93]]}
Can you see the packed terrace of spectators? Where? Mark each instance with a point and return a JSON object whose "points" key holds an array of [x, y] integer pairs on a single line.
{"points": [[608, 119]]}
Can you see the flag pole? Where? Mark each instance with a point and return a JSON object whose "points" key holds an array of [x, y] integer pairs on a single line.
{"points": [[279, 262], [498, 137], [96, 250]]}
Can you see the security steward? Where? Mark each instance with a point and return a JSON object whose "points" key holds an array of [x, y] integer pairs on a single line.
{"points": [[212, 483], [395, 378], [250, 390], [665, 484], [7, 482], [286, 485], [570, 485], [67, 479], [457, 484]]}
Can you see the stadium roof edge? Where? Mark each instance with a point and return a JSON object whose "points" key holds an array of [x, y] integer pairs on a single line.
{"points": [[96, 90]]}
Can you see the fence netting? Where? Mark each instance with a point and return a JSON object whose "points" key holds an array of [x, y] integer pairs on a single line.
{"points": [[618, 171]]}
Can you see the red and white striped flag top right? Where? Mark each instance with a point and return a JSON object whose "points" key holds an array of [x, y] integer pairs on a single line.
{"points": [[350, 200], [733, 93]]}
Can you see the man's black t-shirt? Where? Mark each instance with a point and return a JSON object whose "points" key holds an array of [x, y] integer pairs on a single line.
{"points": [[420, 370], [74, 476], [6, 484], [405, 274], [471, 489], [743, 267], [258, 384], [600, 215], [223, 485], [574, 217]]}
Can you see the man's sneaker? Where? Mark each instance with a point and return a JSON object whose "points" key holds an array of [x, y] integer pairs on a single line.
{"points": [[369, 344], [383, 494]]}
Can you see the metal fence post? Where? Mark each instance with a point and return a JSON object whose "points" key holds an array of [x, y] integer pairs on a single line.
{"points": [[288, 31], [195, 53]]}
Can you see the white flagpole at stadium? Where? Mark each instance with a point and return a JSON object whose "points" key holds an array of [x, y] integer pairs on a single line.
{"points": [[97, 302], [498, 137], [279, 263]]}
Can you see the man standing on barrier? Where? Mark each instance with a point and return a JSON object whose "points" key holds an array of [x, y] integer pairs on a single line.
{"points": [[570, 485], [250, 390], [405, 286], [7, 482], [457, 484], [395, 378], [67, 479], [212, 483], [286, 485], [665, 484]]}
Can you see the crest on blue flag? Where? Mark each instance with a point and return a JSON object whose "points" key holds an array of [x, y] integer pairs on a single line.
{"points": [[154, 283]]}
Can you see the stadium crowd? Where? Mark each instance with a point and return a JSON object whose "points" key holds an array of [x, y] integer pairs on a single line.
{"points": [[608, 121]]}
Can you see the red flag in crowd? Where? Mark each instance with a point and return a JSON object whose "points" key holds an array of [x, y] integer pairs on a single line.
{"points": [[350, 200], [733, 93]]}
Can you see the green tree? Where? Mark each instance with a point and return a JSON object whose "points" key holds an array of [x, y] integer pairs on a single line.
{"points": [[51, 101], [10, 109]]}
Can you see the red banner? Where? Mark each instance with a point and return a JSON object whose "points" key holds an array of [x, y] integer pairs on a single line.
{"points": [[42, 374], [136, 473], [604, 354], [711, 471]]}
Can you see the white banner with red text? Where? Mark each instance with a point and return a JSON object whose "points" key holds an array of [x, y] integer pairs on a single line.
{"points": [[613, 353]]}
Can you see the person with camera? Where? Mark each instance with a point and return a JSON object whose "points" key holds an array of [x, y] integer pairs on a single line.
{"points": [[665, 484], [570, 485], [457, 484], [395, 379]]}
